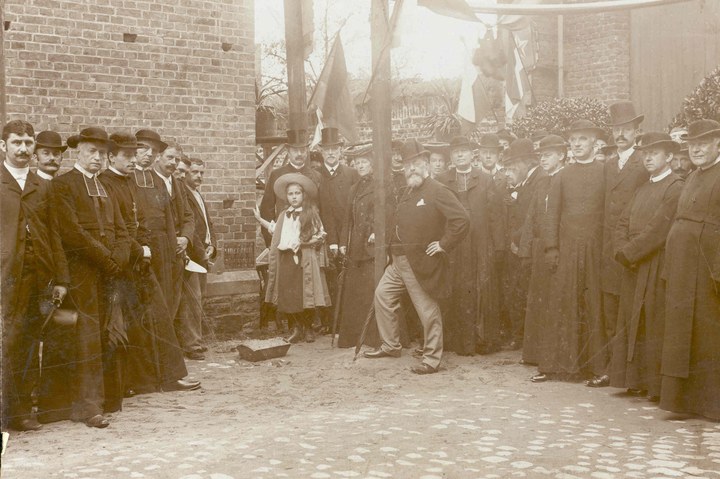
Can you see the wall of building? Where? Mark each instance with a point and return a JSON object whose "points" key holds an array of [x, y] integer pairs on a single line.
{"points": [[188, 74]]}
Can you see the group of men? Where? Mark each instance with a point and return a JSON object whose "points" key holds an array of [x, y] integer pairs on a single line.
{"points": [[98, 303]]}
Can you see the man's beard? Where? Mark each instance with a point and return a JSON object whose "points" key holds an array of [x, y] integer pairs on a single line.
{"points": [[414, 180]]}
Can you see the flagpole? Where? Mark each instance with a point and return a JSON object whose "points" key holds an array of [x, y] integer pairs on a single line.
{"points": [[380, 107], [295, 52], [3, 112]]}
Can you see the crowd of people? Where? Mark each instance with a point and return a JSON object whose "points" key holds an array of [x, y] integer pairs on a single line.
{"points": [[599, 259], [103, 272]]}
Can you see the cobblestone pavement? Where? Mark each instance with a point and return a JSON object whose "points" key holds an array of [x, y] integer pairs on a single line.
{"points": [[316, 414]]}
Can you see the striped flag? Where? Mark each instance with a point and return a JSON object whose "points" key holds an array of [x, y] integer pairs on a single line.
{"points": [[522, 57]]}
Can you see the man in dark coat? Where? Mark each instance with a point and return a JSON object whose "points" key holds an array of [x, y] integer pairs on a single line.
{"points": [[429, 222], [624, 173], [97, 248], [520, 164], [636, 348], [34, 270], [573, 233], [49, 150], [190, 316], [154, 358], [472, 322], [691, 358], [270, 205]]}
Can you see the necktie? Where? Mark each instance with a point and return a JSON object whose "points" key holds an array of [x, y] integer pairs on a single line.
{"points": [[294, 213]]}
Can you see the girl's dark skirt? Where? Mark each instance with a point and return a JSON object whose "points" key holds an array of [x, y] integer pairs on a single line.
{"points": [[290, 283]]}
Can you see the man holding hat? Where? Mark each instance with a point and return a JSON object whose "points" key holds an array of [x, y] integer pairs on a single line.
{"points": [[49, 150], [474, 304], [573, 233], [97, 247], [639, 241], [624, 173], [297, 152], [429, 222], [32, 257], [690, 363], [523, 174]]}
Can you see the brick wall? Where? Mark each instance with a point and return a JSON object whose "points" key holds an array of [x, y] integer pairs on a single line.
{"points": [[68, 67]]}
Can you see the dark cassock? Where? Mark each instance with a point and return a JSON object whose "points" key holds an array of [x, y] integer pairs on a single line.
{"points": [[33, 261], [153, 354], [573, 228], [359, 282], [97, 247], [640, 235], [472, 323], [532, 249], [691, 356]]}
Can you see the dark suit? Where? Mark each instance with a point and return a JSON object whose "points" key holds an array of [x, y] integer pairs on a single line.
{"points": [[333, 196], [97, 247], [423, 215], [32, 261]]}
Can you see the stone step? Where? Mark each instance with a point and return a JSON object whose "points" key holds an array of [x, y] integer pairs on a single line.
{"points": [[232, 302]]}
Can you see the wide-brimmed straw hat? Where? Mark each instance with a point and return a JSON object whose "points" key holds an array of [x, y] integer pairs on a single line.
{"points": [[282, 183]]}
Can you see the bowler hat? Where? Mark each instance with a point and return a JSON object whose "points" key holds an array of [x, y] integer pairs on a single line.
{"points": [[151, 137], [412, 149], [330, 137], [123, 141], [507, 135], [297, 138], [657, 139], [281, 184], [460, 142], [585, 125], [93, 133], [490, 141], [438, 147], [50, 139], [551, 142], [623, 112], [700, 128], [518, 150]]}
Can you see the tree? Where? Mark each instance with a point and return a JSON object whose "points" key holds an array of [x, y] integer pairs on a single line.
{"points": [[555, 116], [703, 103]]}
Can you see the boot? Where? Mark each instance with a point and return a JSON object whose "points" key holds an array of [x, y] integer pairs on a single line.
{"points": [[309, 332], [297, 333]]}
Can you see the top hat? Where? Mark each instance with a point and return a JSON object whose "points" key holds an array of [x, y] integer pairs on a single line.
{"points": [[439, 147], [330, 137], [297, 138], [700, 128], [518, 150], [655, 138], [551, 142], [123, 141], [506, 134], [585, 125], [490, 141], [281, 184], [151, 137], [50, 139], [412, 149], [623, 112], [93, 133], [460, 142], [538, 135]]}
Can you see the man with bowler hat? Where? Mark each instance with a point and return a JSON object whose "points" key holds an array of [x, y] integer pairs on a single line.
{"points": [[49, 150], [624, 173], [34, 272], [690, 362], [429, 221], [297, 152]]}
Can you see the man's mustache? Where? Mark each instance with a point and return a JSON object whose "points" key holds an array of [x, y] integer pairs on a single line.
{"points": [[620, 137]]}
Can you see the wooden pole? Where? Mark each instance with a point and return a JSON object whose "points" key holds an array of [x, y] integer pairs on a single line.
{"points": [[380, 107], [294, 50], [3, 105]]}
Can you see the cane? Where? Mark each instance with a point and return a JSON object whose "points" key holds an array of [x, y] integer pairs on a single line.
{"points": [[366, 326], [54, 305]]}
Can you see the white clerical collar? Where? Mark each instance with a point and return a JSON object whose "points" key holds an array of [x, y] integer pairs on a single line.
{"points": [[83, 171], [585, 162], [44, 175], [114, 170], [661, 176], [624, 156]]}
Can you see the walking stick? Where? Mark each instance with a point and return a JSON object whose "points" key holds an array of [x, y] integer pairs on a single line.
{"points": [[361, 340], [338, 298], [54, 305]]}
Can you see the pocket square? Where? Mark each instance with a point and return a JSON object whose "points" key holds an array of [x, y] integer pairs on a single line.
{"points": [[421, 202]]}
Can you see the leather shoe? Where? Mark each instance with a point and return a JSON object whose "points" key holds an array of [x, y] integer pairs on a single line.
{"points": [[181, 385], [423, 368], [636, 392], [195, 355], [309, 335], [598, 381], [539, 378], [379, 353], [129, 393], [202, 349], [28, 424], [99, 421]]}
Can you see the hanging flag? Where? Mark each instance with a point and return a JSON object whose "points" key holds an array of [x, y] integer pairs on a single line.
{"points": [[451, 8], [522, 57], [474, 103], [308, 27], [332, 94], [317, 136]]}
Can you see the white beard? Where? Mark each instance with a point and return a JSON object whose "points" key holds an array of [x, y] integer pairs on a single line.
{"points": [[414, 180]]}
